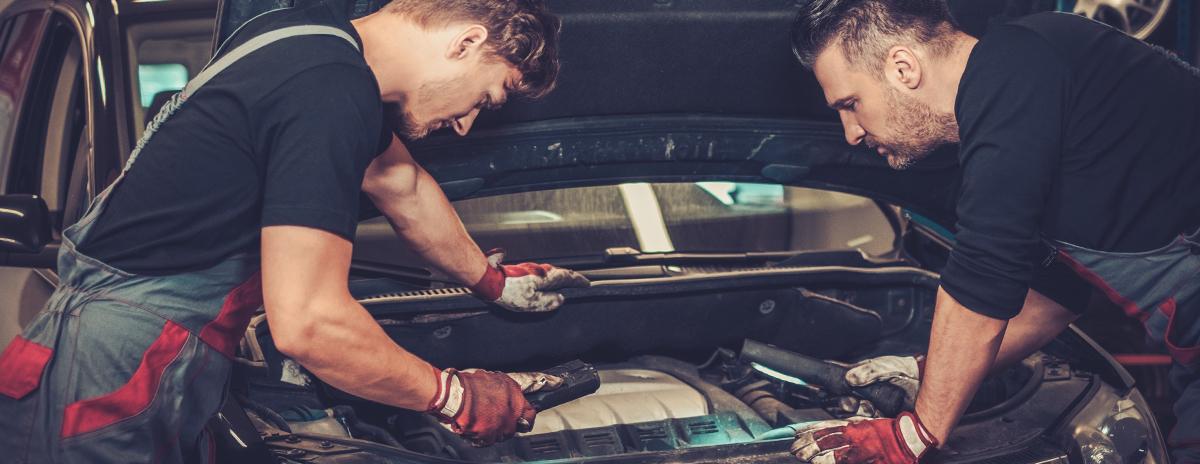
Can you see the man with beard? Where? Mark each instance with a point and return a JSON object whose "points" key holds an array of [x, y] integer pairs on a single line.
{"points": [[1080, 156], [243, 194]]}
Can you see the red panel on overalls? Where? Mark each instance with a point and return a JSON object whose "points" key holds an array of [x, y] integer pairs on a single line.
{"points": [[1161, 288]]}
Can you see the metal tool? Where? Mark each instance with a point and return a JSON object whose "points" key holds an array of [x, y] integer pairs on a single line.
{"points": [[579, 380]]}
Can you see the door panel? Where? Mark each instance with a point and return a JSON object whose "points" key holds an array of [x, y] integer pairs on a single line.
{"points": [[41, 73], [23, 293]]}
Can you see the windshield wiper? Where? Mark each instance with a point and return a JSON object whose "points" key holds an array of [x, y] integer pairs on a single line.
{"points": [[629, 263], [625, 256], [414, 275]]}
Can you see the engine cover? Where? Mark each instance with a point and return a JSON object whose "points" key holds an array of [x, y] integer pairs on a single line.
{"points": [[626, 396]]}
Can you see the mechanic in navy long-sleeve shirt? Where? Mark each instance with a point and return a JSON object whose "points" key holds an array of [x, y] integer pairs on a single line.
{"points": [[1080, 157]]}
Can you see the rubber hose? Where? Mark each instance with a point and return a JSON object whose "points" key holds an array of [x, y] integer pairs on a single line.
{"points": [[347, 414], [263, 412], [783, 432], [763, 401]]}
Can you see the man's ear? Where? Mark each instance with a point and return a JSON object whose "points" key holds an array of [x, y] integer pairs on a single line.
{"points": [[903, 67], [467, 42]]}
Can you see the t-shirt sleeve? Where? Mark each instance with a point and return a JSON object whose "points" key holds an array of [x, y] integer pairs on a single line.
{"points": [[1010, 110], [1060, 284], [321, 129], [385, 140]]}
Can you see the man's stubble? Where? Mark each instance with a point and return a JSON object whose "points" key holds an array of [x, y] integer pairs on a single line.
{"points": [[919, 129], [401, 120]]}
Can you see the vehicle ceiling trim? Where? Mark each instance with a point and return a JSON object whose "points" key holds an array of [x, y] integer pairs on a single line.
{"points": [[25, 7]]}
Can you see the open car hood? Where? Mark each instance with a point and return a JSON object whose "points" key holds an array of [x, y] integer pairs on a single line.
{"points": [[666, 91]]}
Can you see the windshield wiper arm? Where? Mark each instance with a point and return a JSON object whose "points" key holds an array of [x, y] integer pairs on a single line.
{"points": [[626, 255]]}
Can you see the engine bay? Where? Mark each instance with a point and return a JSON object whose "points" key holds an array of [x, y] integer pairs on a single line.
{"points": [[672, 378]]}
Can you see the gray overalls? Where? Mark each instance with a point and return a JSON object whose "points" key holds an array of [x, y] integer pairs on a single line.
{"points": [[128, 368], [1161, 288]]}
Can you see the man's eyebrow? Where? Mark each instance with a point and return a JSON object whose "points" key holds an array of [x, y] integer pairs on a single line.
{"points": [[841, 102]]}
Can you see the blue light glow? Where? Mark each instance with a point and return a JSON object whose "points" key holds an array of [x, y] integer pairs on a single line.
{"points": [[155, 78], [776, 374]]}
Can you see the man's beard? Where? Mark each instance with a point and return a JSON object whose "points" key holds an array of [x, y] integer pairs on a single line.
{"points": [[922, 130], [402, 122]]}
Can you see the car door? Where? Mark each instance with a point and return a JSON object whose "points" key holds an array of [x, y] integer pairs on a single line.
{"points": [[43, 146]]}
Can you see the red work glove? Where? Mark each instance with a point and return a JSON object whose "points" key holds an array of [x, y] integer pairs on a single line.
{"points": [[901, 371], [485, 407], [524, 287], [902, 440]]}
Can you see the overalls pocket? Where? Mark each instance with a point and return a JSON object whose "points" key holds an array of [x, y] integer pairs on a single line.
{"points": [[21, 367], [135, 396]]}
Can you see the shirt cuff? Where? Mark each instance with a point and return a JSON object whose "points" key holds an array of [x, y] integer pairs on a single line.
{"points": [[988, 295], [338, 222]]}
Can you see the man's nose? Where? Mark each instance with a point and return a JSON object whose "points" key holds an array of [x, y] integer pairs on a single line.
{"points": [[463, 124], [854, 132]]}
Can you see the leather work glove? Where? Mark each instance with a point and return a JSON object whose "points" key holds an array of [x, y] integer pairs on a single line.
{"points": [[485, 407], [524, 287], [902, 440], [901, 371]]}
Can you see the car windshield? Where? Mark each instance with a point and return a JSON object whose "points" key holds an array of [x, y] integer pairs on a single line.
{"points": [[698, 217]]}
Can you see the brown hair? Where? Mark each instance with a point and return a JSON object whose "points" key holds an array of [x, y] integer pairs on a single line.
{"points": [[521, 32], [867, 29]]}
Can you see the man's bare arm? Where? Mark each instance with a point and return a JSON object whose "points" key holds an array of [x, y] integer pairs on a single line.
{"points": [[965, 347], [315, 321], [1040, 320], [421, 215], [962, 348]]}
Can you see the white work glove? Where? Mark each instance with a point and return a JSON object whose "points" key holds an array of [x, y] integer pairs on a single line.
{"points": [[901, 371], [524, 287], [903, 440]]}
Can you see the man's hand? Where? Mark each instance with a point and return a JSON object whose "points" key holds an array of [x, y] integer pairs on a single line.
{"points": [[485, 407], [901, 371], [426, 223], [903, 440], [524, 287]]}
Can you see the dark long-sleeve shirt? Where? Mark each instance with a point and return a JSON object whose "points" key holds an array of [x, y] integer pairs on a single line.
{"points": [[1074, 130]]}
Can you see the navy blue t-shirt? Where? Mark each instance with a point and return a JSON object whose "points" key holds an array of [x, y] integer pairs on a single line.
{"points": [[281, 137], [1074, 130]]}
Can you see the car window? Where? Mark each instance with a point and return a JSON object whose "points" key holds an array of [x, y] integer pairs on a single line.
{"points": [[661, 217], [164, 56], [19, 41], [53, 118]]}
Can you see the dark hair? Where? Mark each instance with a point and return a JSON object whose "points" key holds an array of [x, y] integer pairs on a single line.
{"points": [[521, 32], [867, 29]]}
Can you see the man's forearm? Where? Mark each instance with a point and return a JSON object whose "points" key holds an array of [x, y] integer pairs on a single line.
{"points": [[315, 320], [432, 230], [366, 362], [962, 349], [422, 217], [1040, 320]]}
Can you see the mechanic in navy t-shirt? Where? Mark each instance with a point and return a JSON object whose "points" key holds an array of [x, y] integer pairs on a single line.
{"points": [[1080, 162], [268, 158]]}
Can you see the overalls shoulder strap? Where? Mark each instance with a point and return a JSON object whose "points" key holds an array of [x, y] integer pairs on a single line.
{"points": [[256, 43], [224, 61]]}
